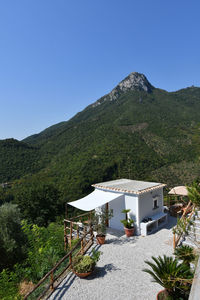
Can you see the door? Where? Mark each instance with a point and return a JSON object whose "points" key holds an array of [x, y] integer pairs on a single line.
{"points": [[117, 206]]}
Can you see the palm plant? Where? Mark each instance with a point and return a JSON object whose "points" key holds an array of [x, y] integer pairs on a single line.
{"points": [[128, 222], [175, 277], [185, 253]]}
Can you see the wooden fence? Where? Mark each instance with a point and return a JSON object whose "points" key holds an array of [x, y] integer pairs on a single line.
{"points": [[189, 209], [80, 227], [83, 244]]}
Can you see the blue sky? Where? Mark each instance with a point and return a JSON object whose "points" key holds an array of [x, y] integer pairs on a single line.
{"points": [[57, 57]]}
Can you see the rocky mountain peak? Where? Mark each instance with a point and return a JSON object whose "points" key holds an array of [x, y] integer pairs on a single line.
{"points": [[133, 82]]}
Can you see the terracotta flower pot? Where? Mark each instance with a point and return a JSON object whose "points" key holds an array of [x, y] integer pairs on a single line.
{"points": [[129, 231], [100, 239], [82, 275], [162, 295]]}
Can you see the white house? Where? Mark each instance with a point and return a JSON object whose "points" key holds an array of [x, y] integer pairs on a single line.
{"points": [[144, 199]]}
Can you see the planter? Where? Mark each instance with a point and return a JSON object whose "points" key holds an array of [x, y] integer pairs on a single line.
{"points": [[100, 239], [129, 231], [162, 295], [82, 275]]}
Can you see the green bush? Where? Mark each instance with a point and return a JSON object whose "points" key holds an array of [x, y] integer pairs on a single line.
{"points": [[45, 248], [185, 253], [128, 222], [12, 238], [175, 277], [83, 264], [9, 286]]}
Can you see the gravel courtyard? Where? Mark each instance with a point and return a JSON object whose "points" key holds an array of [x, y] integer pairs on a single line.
{"points": [[119, 274]]}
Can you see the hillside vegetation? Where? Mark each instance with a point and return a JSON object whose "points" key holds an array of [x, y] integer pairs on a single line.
{"points": [[144, 134]]}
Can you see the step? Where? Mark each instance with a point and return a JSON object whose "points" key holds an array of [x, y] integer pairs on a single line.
{"points": [[189, 243], [198, 213], [196, 223], [195, 230], [194, 233], [195, 237]]}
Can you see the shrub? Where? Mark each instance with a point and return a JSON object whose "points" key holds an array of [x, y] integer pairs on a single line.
{"points": [[83, 264], [12, 238], [175, 277], [185, 253], [9, 286]]}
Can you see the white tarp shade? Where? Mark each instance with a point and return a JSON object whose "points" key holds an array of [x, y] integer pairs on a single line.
{"points": [[95, 199]]}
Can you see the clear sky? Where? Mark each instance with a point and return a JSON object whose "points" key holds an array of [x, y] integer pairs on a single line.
{"points": [[58, 56]]}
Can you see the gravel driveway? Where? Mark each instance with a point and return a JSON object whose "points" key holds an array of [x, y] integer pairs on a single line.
{"points": [[119, 274]]}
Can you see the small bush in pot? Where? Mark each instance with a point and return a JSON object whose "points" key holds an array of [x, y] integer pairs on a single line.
{"points": [[99, 222], [128, 223], [83, 266]]}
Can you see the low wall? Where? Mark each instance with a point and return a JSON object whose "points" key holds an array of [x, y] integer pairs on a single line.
{"points": [[195, 290]]}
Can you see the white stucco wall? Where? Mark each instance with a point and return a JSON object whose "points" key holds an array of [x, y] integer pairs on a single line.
{"points": [[131, 202], [141, 206], [146, 204]]}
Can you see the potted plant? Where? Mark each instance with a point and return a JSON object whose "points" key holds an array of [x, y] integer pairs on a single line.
{"points": [[99, 221], [175, 277], [128, 223], [185, 253], [83, 265]]}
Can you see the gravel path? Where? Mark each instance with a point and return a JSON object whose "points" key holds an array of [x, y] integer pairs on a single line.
{"points": [[119, 274]]}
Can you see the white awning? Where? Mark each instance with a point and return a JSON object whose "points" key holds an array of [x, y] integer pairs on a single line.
{"points": [[95, 199]]}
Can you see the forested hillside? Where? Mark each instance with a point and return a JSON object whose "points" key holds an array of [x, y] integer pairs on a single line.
{"points": [[137, 131]]}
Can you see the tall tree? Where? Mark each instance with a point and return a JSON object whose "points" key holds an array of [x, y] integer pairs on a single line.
{"points": [[12, 238], [194, 193], [39, 202]]}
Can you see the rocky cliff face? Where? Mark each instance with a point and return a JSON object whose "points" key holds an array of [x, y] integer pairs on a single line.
{"points": [[133, 82]]}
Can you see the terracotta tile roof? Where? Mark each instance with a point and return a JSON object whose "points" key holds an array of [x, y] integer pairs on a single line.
{"points": [[129, 186]]}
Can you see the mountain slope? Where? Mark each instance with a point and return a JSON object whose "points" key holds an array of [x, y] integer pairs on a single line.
{"points": [[16, 159], [136, 131]]}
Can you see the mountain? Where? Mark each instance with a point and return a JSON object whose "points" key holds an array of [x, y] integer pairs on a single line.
{"points": [[136, 131]]}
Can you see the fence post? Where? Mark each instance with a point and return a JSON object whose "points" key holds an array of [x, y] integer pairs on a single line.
{"points": [[84, 232], [91, 232], [70, 242], [52, 287], [82, 247], [77, 232], [174, 240], [70, 258], [65, 236]]}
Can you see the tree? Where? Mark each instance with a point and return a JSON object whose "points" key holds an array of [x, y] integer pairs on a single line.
{"points": [[194, 193], [45, 248], [12, 238], [39, 202]]}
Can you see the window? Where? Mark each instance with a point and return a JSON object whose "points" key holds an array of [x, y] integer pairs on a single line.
{"points": [[155, 203]]}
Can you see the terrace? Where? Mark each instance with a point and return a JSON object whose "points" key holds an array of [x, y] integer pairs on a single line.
{"points": [[119, 272]]}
